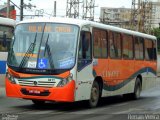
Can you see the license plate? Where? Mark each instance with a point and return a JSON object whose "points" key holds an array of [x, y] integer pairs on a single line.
{"points": [[34, 92]]}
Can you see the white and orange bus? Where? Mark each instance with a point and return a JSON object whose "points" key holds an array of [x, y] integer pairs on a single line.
{"points": [[67, 60]]}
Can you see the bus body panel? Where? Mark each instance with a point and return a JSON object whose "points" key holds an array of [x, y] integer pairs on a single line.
{"points": [[117, 76], [120, 75], [3, 58], [149, 75], [128, 88], [84, 83]]}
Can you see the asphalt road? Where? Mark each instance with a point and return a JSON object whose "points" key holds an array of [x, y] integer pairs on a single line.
{"points": [[110, 108]]}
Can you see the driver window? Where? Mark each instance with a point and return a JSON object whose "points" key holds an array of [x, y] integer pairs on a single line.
{"points": [[85, 45], [84, 54]]}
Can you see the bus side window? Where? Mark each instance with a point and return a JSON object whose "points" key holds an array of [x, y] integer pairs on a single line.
{"points": [[148, 49], [139, 48], [84, 53], [127, 46], [115, 44]]}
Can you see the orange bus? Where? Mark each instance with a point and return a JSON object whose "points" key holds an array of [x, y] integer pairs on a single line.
{"points": [[67, 60]]}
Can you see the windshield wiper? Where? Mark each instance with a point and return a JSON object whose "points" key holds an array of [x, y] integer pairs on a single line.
{"points": [[28, 53], [47, 47]]}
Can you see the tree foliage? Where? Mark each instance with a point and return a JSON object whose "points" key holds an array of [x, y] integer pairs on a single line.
{"points": [[156, 32]]}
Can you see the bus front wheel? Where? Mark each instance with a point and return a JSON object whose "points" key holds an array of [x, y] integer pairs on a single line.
{"points": [[95, 94]]}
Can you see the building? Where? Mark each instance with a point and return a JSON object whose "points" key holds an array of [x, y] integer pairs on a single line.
{"points": [[147, 17], [119, 17], [156, 14]]}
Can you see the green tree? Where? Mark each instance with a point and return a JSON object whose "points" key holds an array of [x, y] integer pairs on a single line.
{"points": [[156, 32]]}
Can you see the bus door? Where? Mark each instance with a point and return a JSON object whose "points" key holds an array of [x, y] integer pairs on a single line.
{"points": [[84, 67]]}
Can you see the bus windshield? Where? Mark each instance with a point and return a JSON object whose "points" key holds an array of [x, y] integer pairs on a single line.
{"points": [[6, 33], [43, 46]]}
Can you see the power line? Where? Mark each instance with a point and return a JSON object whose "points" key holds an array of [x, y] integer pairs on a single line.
{"points": [[15, 4]]}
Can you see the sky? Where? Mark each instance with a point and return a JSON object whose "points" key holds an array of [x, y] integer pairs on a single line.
{"points": [[48, 6]]}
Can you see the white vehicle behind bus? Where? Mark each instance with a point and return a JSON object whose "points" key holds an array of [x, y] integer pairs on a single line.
{"points": [[6, 34]]}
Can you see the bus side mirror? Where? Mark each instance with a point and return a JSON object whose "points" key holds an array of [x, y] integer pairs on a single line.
{"points": [[4, 40]]}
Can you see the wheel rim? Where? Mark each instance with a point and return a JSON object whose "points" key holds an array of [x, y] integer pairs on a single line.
{"points": [[138, 91], [94, 95]]}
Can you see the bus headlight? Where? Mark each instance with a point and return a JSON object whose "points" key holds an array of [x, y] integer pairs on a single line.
{"points": [[65, 81], [10, 78]]}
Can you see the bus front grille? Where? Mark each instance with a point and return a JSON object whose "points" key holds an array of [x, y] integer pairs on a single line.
{"points": [[36, 83]]}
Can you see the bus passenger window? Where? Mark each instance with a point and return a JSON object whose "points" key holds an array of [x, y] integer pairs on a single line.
{"points": [[127, 46], [139, 48], [97, 43], [115, 45], [148, 49], [100, 43]]}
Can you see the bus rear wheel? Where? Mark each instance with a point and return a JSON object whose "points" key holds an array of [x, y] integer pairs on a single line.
{"points": [[38, 102], [95, 95], [137, 89]]}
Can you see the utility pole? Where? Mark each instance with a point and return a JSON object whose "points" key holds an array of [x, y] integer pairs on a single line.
{"points": [[135, 14], [8, 5], [141, 15], [72, 10], [147, 16], [21, 10], [55, 4], [24, 6], [88, 9]]}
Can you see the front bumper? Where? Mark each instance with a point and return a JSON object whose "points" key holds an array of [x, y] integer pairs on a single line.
{"points": [[61, 94]]}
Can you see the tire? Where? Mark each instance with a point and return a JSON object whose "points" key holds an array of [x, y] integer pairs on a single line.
{"points": [[95, 95], [137, 89], [38, 102]]}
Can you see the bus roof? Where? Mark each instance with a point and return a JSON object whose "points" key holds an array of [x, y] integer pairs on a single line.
{"points": [[7, 21], [86, 22]]}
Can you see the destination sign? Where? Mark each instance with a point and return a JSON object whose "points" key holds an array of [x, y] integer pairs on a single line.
{"points": [[34, 28]]}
